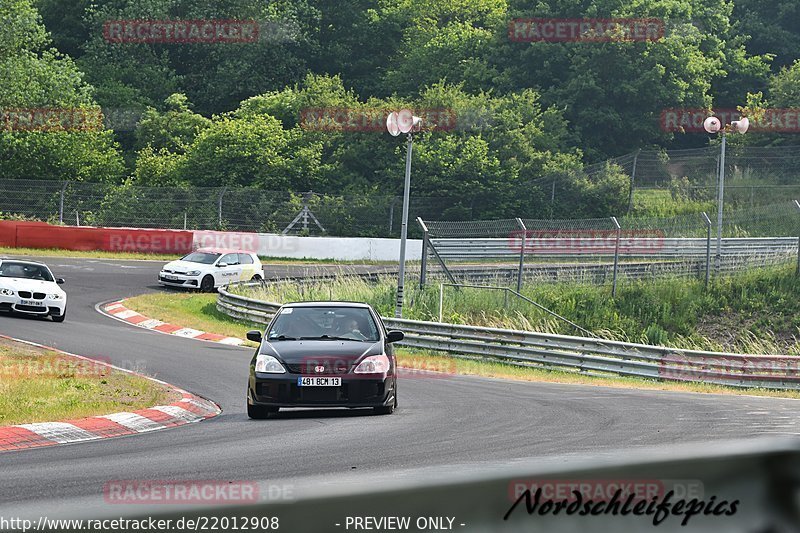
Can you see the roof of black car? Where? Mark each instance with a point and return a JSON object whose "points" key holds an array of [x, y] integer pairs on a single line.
{"points": [[327, 304]]}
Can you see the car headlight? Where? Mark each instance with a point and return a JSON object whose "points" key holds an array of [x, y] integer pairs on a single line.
{"points": [[6, 292], [269, 365], [193, 273], [374, 364], [55, 296]]}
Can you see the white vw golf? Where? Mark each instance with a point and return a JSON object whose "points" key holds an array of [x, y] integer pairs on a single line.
{"points": [[209, 268], [29, 287]]}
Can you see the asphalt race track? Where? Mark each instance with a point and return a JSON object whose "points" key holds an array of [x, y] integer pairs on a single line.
{"points": [[443, 424]]}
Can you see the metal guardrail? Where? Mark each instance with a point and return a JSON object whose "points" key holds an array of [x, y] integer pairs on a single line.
{"points": [[562, 352], [573, 247]]}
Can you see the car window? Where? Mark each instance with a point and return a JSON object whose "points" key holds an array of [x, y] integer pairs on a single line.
{"points": [[9, 269], [204, 258], [350, 323], [245, 259], [230, 259]]}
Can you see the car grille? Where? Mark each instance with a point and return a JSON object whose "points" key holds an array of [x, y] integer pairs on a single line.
{"points": [[31, 308], [27, 295], [332, 368]]}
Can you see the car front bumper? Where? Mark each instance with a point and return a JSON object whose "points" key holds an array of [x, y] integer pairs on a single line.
{"points": [[282, 390], [190, 282], [49, 307]]}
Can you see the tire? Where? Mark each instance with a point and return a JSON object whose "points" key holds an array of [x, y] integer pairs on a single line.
{"points": [[256, 278], [259, 412], [386, 409], [61, 317], [207, 284]]}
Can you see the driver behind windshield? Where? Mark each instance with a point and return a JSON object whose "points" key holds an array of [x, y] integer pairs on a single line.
{"points": [[351, 329]]}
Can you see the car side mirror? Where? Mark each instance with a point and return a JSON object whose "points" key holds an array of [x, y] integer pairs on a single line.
{"points": [[254, 335], [222, 265], [394, 336], [61, 281]]}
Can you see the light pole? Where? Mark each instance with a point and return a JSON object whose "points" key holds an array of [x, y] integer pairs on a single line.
{"points": [[714, 125], [397, 123]]}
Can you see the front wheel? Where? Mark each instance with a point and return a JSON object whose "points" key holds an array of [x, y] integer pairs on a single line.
{"points": [[259, 412], [61, 317], [386, 409], [207, 285]]}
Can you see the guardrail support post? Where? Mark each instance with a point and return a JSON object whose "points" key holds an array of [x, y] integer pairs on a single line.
{"points": [[61, 203], [616, 257], [441, 300], [633, 180], [219, 206], [708, 246], [521, 253], [423, 269]]}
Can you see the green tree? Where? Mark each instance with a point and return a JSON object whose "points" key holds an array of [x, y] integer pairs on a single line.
{"points": [[172, 130], [613, 92], [35, 76]]}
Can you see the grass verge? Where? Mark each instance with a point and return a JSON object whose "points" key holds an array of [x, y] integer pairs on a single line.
{"points": [[194, 310], [39, 385], [199, 311]]}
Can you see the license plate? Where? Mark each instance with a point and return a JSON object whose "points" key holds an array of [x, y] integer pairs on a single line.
{"points": [[170, 278], [318, 382], [34, 303]]}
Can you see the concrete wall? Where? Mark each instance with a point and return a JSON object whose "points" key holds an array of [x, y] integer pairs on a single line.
{"points": [[342, 248]]}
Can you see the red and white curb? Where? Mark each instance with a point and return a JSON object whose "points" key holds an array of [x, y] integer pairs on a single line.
{"points": [[119, 311], [189, 409]]}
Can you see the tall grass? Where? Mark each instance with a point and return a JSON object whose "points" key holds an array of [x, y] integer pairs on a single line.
{"points": [[753, 312]]}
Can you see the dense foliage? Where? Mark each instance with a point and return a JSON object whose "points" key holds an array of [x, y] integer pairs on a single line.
{"points": [[526, 114]]}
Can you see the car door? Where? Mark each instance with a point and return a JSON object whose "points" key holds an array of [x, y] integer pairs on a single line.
{"points": [[248, 267], [231, 272]]}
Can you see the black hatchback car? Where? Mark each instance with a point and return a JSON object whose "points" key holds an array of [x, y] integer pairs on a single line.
{"points": [[323, 354]]}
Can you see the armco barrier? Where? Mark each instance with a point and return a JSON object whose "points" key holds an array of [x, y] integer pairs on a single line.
{"points": [[46, 236], [664, 248], [580, 354]]}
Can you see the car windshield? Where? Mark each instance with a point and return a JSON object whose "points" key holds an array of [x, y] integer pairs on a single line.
{"points": [[25, 271], [324, 323], [205, 258]]}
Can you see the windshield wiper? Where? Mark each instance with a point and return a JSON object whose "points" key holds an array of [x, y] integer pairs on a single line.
{"points": [[333, 338]]}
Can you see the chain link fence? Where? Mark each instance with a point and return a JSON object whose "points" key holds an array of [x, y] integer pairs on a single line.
{"points": [[660, 182], [607, 249], [210, 208], [753, 175]]}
